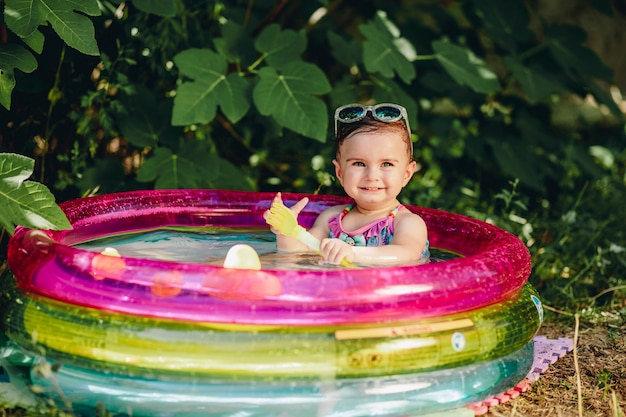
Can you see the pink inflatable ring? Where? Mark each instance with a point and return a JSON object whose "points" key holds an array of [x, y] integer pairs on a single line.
{"points": [[493, 266]]}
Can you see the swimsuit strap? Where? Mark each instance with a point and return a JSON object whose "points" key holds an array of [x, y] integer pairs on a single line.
{"points": [[393, 213]]}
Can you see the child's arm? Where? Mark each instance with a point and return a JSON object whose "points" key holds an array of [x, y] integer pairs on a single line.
{"points": [[407, 245]]}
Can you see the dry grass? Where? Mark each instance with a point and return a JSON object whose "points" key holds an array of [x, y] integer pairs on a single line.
{"points": [[589, 382]]}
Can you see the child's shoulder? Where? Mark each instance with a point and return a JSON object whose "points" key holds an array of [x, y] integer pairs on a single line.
{"points": [[407, 215], [334, 210], [325, 216]]}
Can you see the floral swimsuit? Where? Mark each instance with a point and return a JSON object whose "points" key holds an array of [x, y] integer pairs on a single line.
{"points": [[377, 233]]}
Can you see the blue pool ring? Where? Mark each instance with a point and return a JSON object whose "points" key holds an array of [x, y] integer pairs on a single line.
{"points": [[397, 395]]}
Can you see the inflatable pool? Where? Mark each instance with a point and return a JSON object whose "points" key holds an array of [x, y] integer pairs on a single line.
{"points": [[137, 333]]}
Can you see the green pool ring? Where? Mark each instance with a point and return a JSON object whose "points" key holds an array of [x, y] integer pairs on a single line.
{"points": [[134, 345]]}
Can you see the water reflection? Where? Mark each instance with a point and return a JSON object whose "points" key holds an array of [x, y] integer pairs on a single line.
{"points": [[210, 246]]}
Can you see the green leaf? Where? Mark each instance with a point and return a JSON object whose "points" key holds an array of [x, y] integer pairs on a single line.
{"points": [[177, 176], [604, 97], [535, 84], [165, 8], [144, 119], [387, 91], [348, 53], [67, 18], [565, 43], [35, 41], [584, 158], [197, 101], [288, 97], [192, 167], [26, 203], [466, 68], [280, 47], [385, 52], [211, 170], [235, 45], [506, 21], [515, 159], [13, 56], [343, 92], [198, 63], [229, 177], [152, 167], [200, 153], [23, 17], [15, 169], [105, 175], [533, 131], [438, 81]]}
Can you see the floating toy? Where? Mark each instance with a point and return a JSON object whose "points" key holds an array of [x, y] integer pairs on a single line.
{"points": [[156, 336], [242, 256]]}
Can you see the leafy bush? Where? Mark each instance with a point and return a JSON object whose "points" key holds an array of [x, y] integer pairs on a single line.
{"points": [[240, 94]]}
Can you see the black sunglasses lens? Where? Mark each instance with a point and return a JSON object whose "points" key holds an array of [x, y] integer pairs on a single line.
{"points": [[388, 113], [351, 113]]}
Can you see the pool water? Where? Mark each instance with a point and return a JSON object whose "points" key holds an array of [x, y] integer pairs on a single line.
{"points": [[210, 246]]}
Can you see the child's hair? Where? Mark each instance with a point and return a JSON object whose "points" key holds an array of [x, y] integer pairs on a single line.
{"points": [[369, 124]]}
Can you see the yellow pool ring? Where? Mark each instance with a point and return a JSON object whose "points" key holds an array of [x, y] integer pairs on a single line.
{"points": [[137, 345]]}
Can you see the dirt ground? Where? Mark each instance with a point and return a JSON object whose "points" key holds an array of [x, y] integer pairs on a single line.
{"points": [[589, 381]]}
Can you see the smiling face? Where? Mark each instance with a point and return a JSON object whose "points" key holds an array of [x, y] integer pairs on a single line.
{"points": [[373, 166]]}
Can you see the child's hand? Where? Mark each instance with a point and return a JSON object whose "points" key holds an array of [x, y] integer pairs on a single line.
{"points": [[296, 209], [335, 250]]}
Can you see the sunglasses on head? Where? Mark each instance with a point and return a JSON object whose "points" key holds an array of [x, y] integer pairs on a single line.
{"points": [[384, 112]]}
